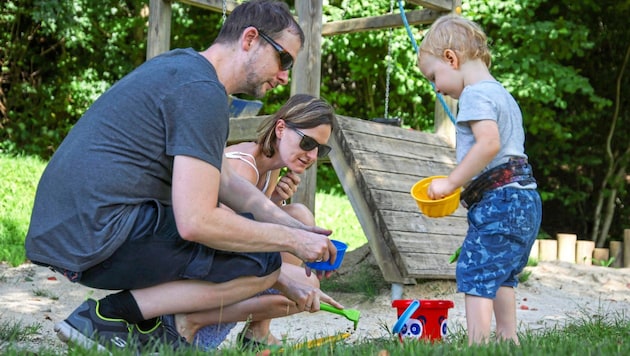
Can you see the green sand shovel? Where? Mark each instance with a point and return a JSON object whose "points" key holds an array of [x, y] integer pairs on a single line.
{"points": [[350, 314]]}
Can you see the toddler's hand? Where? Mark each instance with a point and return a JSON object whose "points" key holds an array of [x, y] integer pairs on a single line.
{"points": [[439, 188]]}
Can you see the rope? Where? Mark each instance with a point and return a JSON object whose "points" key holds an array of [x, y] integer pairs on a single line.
{"points": [[224, 8], [388, 71], [415, 48]]}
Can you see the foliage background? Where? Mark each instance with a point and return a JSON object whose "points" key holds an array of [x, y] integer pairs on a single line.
{"points": [[564, 61]]}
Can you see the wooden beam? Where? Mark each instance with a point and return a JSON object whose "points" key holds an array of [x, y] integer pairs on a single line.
{"points": [[439, 5], [213, 5], [307, 80], [159, 34], [415, 17]]}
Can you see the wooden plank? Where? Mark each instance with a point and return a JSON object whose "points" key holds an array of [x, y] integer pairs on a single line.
{"points": [[244, 128], [365, 162], [409, 151], [212, 5], [415, 17], [439, 5], [403, 202], [411, 222], [349, 124]]}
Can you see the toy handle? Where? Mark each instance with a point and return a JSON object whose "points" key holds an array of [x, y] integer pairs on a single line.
{"points": [[329, 308]]}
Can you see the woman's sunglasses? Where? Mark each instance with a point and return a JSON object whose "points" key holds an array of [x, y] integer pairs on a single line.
{"points": [[286, 60], [307, 143]]}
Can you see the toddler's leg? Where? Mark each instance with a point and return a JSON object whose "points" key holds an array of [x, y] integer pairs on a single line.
{"points": [[478, 319], [505, 314]]}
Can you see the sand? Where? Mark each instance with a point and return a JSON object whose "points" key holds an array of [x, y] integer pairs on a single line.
{"points": [[555, 294]]}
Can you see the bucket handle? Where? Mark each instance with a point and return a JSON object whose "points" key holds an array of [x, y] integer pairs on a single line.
{"points": [[413, 306]]}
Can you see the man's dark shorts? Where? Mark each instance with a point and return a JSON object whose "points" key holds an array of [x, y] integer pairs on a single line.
{"points": [[155, 253]]}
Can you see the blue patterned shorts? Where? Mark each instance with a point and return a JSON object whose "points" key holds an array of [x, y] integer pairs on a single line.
{"points": [[502, 228]]}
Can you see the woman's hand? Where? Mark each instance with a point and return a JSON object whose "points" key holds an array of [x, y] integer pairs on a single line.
{"points": [[286, 187]]}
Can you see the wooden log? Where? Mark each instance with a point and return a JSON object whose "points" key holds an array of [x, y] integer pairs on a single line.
{"points": [[566, 247], [415, 17], [213, 5], [584, 252], [548, 250], [616, 251], [159, 32], [626, 248], [440, 5], [534, 252], [600, 256], [306, 79]]}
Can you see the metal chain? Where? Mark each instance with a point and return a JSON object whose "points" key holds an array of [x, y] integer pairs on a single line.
{"points": [[388, 71]]}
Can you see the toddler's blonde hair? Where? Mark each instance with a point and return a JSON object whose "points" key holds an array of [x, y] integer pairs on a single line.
{"points": [[463, 36]]}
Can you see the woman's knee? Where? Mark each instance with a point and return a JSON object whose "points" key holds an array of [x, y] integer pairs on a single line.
{"points": [[300, 212]]}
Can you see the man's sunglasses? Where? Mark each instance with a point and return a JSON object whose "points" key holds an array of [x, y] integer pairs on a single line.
{"points": [[307, 143], [286, 60]]}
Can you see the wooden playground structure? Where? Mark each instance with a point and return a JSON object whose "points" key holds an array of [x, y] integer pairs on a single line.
{"points": [[377, 164]]}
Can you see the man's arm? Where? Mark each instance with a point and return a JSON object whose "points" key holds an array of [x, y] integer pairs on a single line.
{"points": [[196, 186]]}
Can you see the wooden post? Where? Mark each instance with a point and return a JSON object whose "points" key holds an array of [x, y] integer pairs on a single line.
{"points": [[600, 256], [159, 36], [534, 252], [306, 80], [566, 247], [584, 252], [548, 250], [626, 248], [616, 251]]}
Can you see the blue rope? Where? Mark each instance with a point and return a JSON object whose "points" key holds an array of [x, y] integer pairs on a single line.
{"points": [[415, 48]]}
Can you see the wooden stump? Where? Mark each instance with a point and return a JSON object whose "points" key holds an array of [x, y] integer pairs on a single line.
{"points": [[600, 256], [626, 248], [533, 253], [584, 252], [548, 250], [616, 251], [566, 247]]}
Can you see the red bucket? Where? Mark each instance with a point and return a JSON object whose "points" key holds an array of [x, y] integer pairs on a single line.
{"points": [[429, 322]]}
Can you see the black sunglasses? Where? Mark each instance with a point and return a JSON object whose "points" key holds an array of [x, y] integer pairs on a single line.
{"points": [[307, 143], [286, 60]]}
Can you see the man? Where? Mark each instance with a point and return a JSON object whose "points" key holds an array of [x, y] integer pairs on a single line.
{"points": [[129, 201]]}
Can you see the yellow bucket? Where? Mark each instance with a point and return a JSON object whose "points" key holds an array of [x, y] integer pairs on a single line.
{"points": [[434, 208]]}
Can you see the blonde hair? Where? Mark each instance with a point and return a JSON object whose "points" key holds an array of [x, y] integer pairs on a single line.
{"points": [[463, 36], [301, 111]]}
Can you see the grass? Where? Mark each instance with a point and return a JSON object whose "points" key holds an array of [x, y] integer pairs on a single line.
{"points": [[588, 335], [18, 181]]}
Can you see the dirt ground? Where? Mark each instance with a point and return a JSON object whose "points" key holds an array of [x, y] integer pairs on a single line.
{"points": [[556, 293]]}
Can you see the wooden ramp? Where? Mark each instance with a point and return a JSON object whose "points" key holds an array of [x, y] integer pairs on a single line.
{"points": [[377, 164]]}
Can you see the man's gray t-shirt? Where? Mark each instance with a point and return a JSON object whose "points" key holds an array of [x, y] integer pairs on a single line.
{"points": [[489, 100], [120, 155]]}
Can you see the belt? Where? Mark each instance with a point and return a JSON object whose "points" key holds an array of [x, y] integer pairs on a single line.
{"points": [[515, 170]]}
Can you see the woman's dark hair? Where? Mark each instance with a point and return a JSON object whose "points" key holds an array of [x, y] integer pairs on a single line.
{"points": [[301, 111]]}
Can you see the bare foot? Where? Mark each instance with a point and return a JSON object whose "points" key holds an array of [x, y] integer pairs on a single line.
{"points": [[185, 330]]}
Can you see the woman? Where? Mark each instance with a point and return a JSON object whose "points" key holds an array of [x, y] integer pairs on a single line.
{"points": [[292, 139]]}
